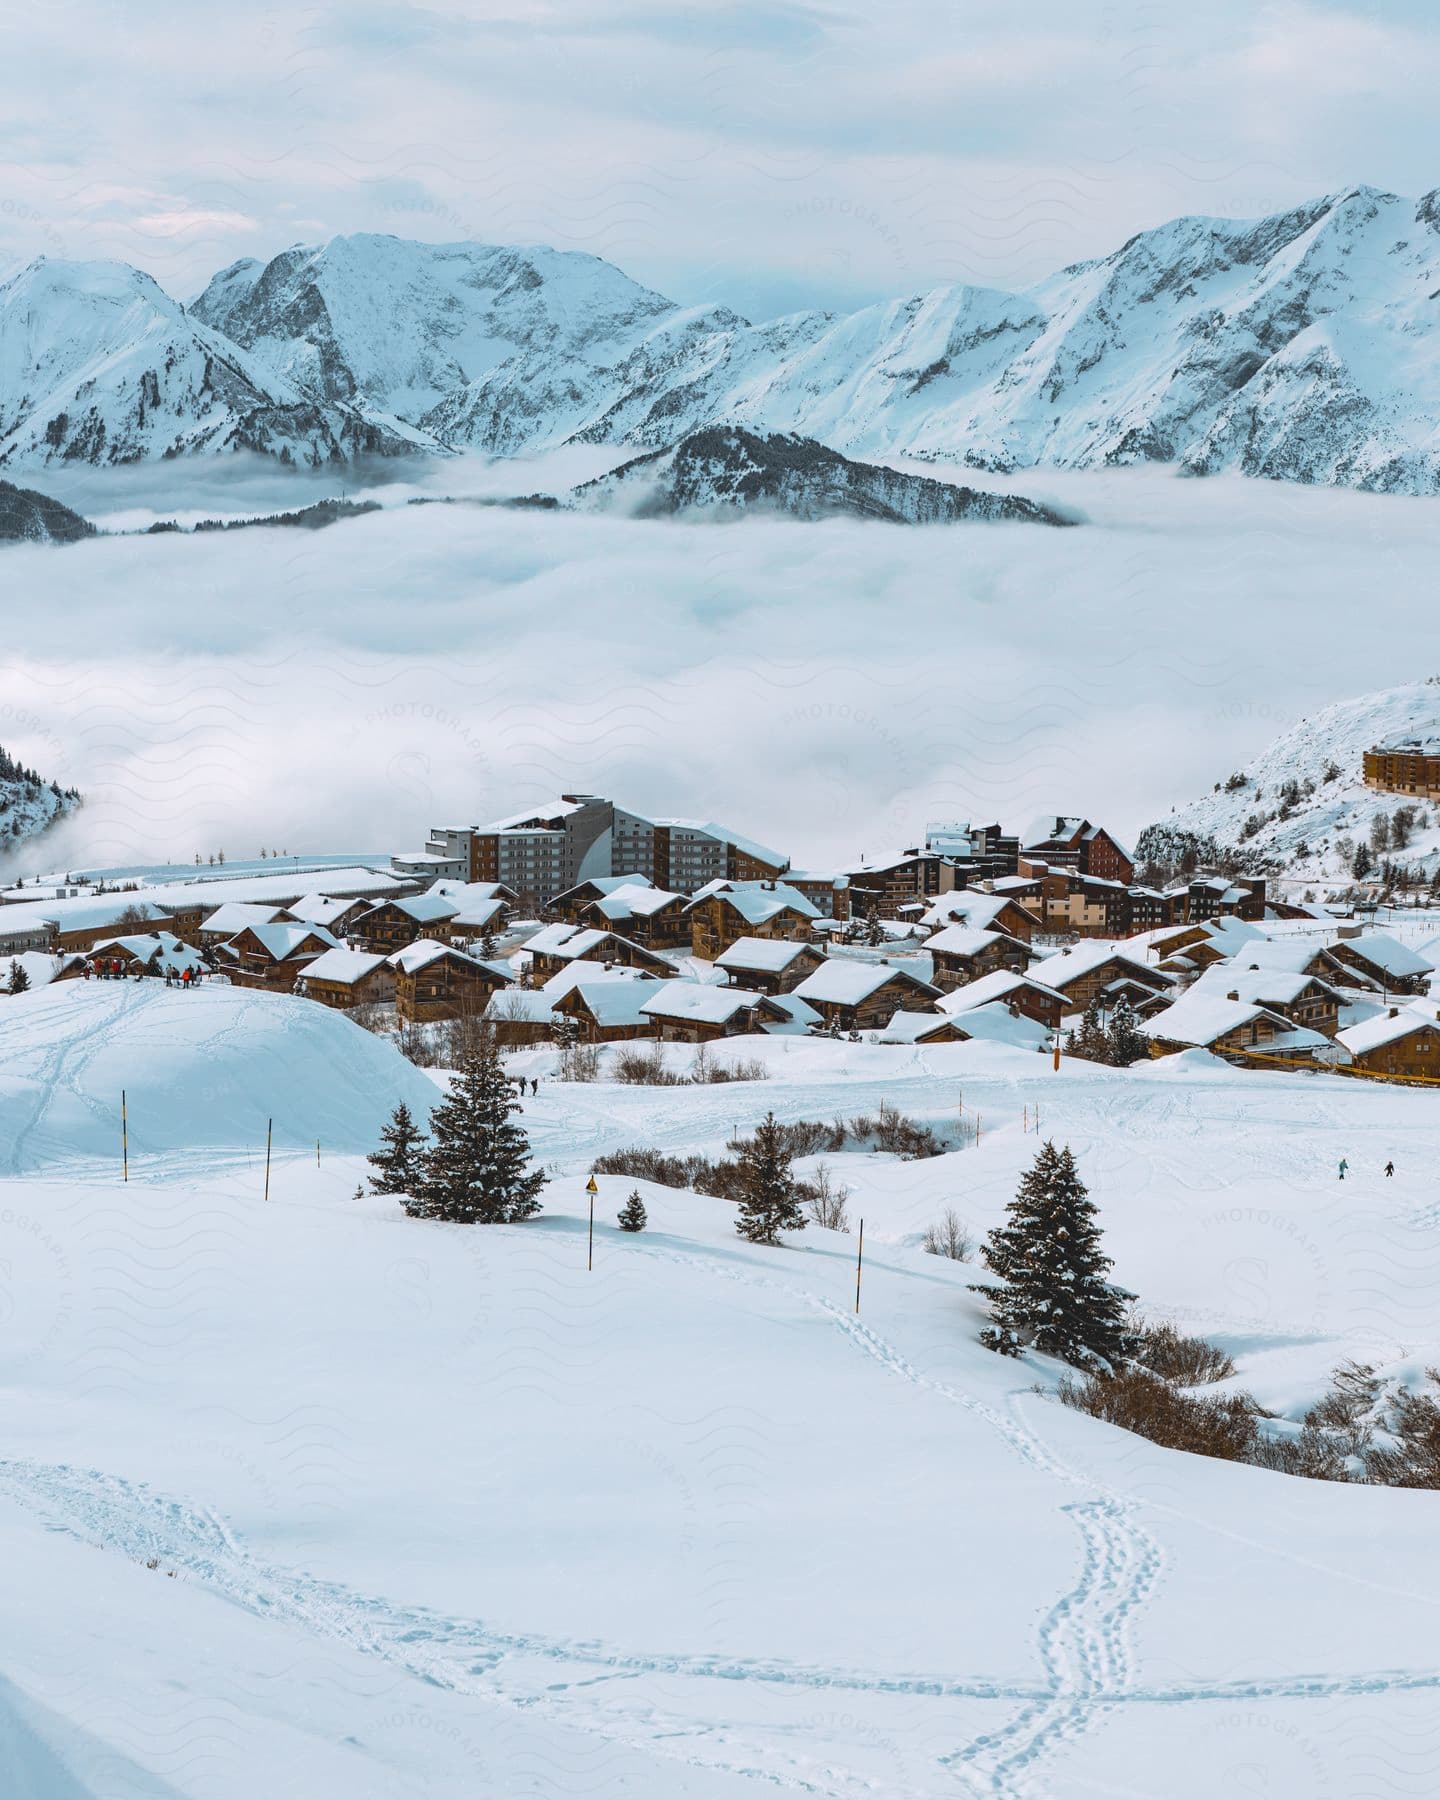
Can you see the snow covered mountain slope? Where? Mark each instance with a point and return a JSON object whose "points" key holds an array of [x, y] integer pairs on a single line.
{"points": [[28, 803], [1301, 346], [30, 518], [396, 326], [1301, 804], [731, 469], [98, 365]]}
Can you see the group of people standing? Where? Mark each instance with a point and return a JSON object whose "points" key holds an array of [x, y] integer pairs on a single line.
{"points": [[111, 968]]}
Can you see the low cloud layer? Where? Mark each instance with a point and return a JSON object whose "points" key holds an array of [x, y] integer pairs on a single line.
{"points": [[827, 688]]}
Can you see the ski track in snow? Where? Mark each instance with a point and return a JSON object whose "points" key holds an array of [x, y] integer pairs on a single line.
{"points": [[1083, 1641]]}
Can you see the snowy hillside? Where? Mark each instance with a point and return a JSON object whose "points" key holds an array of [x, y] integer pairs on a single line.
{"points": [[1300, 347], [731, 469], [28, 803], [1301, 805], [97, 365], [30, 518], [309, 1497]]}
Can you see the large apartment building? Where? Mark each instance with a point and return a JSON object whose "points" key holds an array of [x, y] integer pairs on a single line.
{"points": [[1405, 765], [550, 848]]}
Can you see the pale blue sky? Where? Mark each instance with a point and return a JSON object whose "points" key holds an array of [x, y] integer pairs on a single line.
{"points": [[771, 156]]}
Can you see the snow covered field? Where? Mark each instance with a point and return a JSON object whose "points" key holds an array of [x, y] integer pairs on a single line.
{"points": [[431, 664], [434, 1511]]}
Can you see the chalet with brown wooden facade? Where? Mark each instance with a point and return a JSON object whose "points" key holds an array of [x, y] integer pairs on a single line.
{"points": [[609, 1012], [557, 947], [1398, 1041], [434, 980], [392, 924], [723, 915], [961, 953], [344, 978], [1021, 994], [645, 915], [863, 996], [1099, 972], [272, 956], [689, 1012], [768, 965]]}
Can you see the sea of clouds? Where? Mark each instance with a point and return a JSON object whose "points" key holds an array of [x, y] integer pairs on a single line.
{"points": [[827, 688]]}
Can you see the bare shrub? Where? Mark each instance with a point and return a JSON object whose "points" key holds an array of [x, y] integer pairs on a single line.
{"points": [[1186, 1361], [1411, 1457], [826, 1200], [578, 1062], [644, 1065], [1223, 1426], [749, 1069], [949, 1238], [371, 1015]]}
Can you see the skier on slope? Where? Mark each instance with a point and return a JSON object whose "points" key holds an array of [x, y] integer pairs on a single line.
{"points": [[1389, 1168], [1343, 1167]]}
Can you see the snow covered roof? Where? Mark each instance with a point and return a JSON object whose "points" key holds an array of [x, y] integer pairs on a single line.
{"points": [[318, 909], [468, 892], [699, 1001], [1388, 953], [235, 915], [531, 1004], [475, 915], [633, 901], [282, 941], [1051, 826], [997, 986], [914, 1028], [343, 966], [1093, 953], [996, 1024], [841, 982], [589, 974], [769, 956], [756, 902], [969, 905], [425, 909], [723, 834], [618, 1003], [534, 817], [549, 938], [799, 1014], [1267, 986], [1294, 953], [1387, 1027], [428, 950], [1201, 1018], [965, 940], [174, 956]]}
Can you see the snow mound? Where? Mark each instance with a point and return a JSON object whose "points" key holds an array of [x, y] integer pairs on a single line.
{"points": [[201, 1071]]}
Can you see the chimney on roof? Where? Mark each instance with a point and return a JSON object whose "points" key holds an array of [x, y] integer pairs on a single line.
{"points": [[1394, 1012], [1234, 994]]}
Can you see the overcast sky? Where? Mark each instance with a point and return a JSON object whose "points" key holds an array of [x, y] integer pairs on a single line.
{"points": [[767, 153]]}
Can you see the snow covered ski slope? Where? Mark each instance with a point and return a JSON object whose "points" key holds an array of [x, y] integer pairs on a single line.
{"points": [[310, 1498]]}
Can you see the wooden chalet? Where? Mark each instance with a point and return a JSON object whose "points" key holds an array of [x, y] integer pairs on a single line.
{"points": [[434, 980], [569, 906], [963, 953], [1074, 843], [692, 1012], [1385, 962], [1398, 1041], [520, 1017], [1235, 1029], [610, 1012], [337, 915], [392, 924], [557, 947], [723, 914], [1020, 994], [220, 926], [272, 956], [1100, 972], [769, 965], [890, 885], [645, 915], [982, 910], [344, 978], [863, 996]]}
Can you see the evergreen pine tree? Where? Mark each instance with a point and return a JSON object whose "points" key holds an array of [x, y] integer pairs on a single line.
{"points": [[477, 1169], [397, 1161], [19, 980], [1090, 1040], [632, 1213], [1057, 1295], [1124, 1041], [488, 947], [874, 930], [769, 1200]]}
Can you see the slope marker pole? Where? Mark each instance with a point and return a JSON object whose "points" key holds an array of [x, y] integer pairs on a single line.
{"points": [[859, 1259], [592, 1189], [269, 1126], [124, 1137]]}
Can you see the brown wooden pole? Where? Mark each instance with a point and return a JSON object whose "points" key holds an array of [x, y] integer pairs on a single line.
{"points": [[590, 1253], [859, 1259], [269, 1126], [124, 1137]]}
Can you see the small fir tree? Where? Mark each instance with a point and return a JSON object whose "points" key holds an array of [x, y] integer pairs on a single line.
{"points": [[1057, 1295], [1124, 1040], [874, 930], [769, 1198], [1090, 1040], [19, 980], [632, 1213], [477, 1169], [397, 1163]]}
